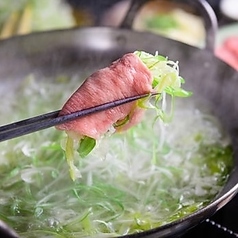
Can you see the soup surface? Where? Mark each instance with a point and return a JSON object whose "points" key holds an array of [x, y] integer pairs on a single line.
{"points": [[147, 177]]}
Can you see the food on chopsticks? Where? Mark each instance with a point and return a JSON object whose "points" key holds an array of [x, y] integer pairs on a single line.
{"points": [[126, 77], [133, 74]]}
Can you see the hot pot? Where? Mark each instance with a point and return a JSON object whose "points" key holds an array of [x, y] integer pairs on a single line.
{"points": [[68, 51]]}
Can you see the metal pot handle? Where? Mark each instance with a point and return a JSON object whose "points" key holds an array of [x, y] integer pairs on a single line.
{"points": [[209, 17]]}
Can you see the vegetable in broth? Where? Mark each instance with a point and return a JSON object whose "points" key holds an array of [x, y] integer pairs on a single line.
{"points": [[132, 74], [164, 172]]}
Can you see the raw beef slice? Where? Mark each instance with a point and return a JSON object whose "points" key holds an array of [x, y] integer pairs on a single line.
{"points": [[127, 76]]}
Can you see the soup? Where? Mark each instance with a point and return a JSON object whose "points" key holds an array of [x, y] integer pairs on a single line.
{"points": [[144, 178]]}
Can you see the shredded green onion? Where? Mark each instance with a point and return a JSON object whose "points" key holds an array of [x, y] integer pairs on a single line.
{"points": [[162, 174], [166, 80]]}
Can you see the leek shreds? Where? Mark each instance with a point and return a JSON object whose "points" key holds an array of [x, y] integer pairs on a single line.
{"points": [[126, 195], [166, 80], [69, 154]]}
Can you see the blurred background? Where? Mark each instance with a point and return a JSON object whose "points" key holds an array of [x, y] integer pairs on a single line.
{"points": [[173, 20]]}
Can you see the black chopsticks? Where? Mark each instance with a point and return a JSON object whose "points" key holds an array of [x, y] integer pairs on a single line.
{"points": [[50, 119]]}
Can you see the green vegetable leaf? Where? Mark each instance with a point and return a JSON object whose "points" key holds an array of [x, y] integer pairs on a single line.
{"points": [[178, 92], [86, 146], [162, 22]]}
